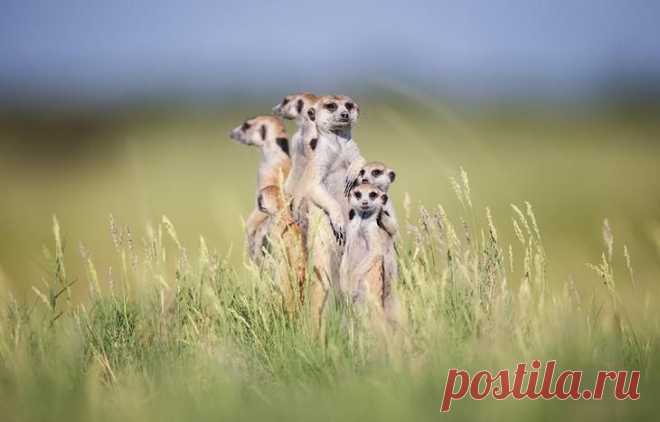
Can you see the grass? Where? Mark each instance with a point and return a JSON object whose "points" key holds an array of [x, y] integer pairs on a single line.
{"points": [[118, 320], [206, 340]]}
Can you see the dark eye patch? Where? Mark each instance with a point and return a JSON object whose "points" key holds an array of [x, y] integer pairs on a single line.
{"points": [[376, 173], [313, 143], [312, 114], [350, 106], [392, 176], [285, 101], [331, 106], [283, 143], [263, 132], [299, 106], [246, 126], [358, 194], [373, 195], [362, 172]]}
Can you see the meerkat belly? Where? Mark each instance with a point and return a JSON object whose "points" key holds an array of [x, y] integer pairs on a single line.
{"points": [[358, 247]]}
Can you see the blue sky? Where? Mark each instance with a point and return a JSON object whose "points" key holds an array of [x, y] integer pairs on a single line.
{"points": [[103, 51]]}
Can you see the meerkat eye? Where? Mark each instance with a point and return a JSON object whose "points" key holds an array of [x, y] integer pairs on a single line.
{"points": [[331, 106], [362, 172], [373, 195], [285, 101], [350, 106], [246, 126], [358, 195], [376, 173]]}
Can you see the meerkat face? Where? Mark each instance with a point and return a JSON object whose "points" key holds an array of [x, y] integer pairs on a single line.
{"points": [[377, 174], [333, 112], [365, 199], [262, 131], [295, 106]]}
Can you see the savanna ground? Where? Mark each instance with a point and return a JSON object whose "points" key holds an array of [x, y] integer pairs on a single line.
{"points": [[145, 317]]}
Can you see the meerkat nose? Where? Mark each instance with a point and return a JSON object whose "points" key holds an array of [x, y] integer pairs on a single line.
{"points": [[344, 115]]}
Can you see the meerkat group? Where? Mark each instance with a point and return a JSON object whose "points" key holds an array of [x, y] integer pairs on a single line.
{"points": [[336, 201]]}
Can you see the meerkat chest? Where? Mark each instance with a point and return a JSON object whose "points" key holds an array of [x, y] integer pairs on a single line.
{"points": [[361, 234]]}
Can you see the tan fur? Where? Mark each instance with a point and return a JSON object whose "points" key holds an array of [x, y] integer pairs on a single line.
{"points": [[321, 190], [381, 176], [271, 216], [274, 166], [362, 267]]}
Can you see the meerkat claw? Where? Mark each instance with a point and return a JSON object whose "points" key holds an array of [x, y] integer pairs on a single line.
{"points": [[340, 236]]}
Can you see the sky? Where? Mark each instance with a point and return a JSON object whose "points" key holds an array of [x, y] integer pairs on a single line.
{"points": [[104, 51]]}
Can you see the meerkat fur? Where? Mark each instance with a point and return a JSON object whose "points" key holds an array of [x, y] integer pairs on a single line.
{"points": [[269, 135], [378, 174], [335, 155], [362, 267], [294, 107]]}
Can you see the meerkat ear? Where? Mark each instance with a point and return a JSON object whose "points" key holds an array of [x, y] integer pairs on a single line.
{"points": [[299, 106], [351, 214], [384, 198], [312, 114], [283, 143], [262, 130], [392, 175]]}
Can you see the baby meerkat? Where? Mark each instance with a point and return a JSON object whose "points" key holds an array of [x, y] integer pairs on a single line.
{"points": [[362, 266], [269, 135], [379, 175]]}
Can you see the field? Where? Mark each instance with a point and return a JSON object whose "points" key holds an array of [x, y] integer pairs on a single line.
{"points": [[126, 294]]}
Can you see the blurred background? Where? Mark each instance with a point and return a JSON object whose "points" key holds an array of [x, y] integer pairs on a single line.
{"points": [[124, 107]]}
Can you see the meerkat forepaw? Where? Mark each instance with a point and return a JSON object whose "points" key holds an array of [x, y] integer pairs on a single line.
{"points": [[349, 185]]}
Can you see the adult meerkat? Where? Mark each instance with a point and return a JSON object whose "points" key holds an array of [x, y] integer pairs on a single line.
{"points": [[362, 266], [379, 175], [336, 158], [331, 152], [271, 215], [269, 135], [294, 107]]}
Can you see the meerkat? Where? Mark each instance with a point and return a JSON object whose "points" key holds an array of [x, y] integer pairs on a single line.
{"points": [[271, 215], [362, 268], [379, 175], [336, 158], [269, 135], [294, 107], [320, 191]]}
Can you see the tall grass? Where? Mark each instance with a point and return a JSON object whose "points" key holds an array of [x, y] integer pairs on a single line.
{"points": [[167, 333]]}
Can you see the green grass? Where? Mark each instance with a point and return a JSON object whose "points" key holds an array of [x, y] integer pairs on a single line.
{"points": [[118, 321], [206, 341]]}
